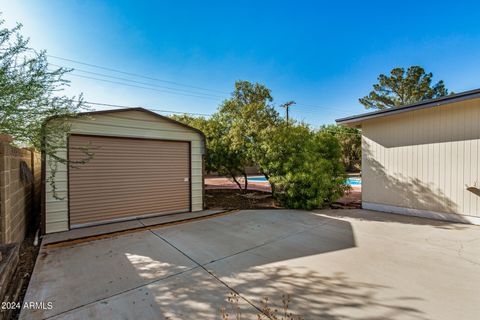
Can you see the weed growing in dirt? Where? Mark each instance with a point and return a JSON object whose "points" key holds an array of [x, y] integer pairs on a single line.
{"points": [[267, 312]]}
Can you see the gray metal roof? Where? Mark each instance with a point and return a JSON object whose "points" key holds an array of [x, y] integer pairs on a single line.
{"points": [[466, 95]]}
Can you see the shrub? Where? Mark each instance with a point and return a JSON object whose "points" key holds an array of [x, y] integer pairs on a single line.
{"points": [[303, 167], [350, 140], [235, 129]]}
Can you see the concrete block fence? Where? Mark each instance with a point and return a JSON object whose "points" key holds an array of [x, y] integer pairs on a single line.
{"points": [[19, 198]]}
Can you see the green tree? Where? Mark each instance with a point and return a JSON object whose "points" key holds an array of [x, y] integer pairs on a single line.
{"points": [[30, 93], [246, 115], [302, 166], [403, 88], [243, 118], [350, 140], [281, 149], [235, 132], [221, 157]]}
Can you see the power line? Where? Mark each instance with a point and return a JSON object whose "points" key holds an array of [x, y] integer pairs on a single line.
{"points": [[139, 82], [310, 111], [167, 111], [135, 74], [298, 113], [314, 110], [166, 91], [167, 81], [149, 108], [137, 86], [180, 112], [316, 106], [152, 109]]}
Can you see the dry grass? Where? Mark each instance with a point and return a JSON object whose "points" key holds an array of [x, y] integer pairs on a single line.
{"points": [[267, 312]]}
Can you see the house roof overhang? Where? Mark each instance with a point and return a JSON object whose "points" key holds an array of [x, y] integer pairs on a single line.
{"points": [[356, 120]]}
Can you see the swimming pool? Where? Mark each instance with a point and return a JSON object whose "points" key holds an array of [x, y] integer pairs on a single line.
{"points": [[354, 181], [257, 179], [350, 181]]}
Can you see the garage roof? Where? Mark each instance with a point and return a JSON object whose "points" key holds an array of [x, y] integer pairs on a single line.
{"points": [[357, 119], [89, 113]]}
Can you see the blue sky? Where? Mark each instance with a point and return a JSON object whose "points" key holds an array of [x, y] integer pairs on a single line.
{"points": [[322, 55]]}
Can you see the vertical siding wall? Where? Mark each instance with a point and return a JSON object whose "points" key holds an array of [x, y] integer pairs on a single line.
{"points": [[19, 200], [134, 124], [424, 159]]}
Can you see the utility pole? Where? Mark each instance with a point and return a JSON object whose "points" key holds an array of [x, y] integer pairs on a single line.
{"points": [[287, 106]]}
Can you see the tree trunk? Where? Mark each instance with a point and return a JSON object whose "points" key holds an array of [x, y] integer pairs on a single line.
{"points": [[246, 181], [236, 181], [272, 186]]}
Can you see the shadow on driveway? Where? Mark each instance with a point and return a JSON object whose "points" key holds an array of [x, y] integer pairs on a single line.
{"points": [[334, 264]]}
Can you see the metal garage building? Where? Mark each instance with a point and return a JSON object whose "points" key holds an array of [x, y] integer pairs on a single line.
{"points": [[143, 164], [423, 159]]}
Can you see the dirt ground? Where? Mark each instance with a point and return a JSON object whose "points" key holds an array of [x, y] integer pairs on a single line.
{"points": [[27, 257], [352, 199], [230, 198], [214, 182], [234, 199]]}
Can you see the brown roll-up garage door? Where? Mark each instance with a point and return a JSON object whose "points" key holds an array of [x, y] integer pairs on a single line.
{"points": [[127, 178]]}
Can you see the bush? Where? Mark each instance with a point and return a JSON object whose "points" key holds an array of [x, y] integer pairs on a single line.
{"points": [[303, 167], [350, 140], [234, 131], [221, 156]]}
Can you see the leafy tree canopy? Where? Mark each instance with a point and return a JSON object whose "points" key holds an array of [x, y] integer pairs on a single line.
{"points": [[304, 167], [234, 132], [402, 88], [350, 140], [221, 157], [247, 113], [30, 93]]}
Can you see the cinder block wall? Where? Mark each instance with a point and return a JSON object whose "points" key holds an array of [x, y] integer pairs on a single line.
{"points": [[19, 200]]}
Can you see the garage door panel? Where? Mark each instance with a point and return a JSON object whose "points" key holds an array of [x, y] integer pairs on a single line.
{"points": [[127, 174], [94, 148], [151, 186], [127, 178], [125, 196], [125, 215], [147, 203]]}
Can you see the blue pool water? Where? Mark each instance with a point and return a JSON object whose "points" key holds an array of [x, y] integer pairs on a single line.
{"points": [[354, 181], [257, 179], [350, 181]]}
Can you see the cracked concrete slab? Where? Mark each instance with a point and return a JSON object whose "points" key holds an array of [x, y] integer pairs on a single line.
{"points": [[336, 264], [80, 274], [387, 272], [114, 227], [237, 232], [190, 295]]}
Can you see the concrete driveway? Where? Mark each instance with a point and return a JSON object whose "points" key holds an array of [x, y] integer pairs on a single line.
{"points": [[335, 264]]}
